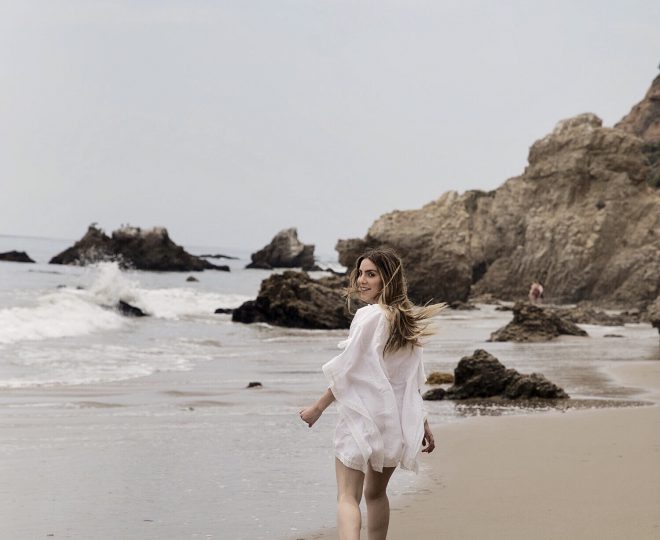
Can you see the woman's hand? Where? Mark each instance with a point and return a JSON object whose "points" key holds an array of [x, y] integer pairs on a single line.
{"points": [[427, 441], [310, 415]]}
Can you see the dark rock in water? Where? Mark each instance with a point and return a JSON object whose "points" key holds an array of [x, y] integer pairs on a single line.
{"points": [[483, 376], [284, 251], [217, 256], [533, 323], [613, 335], [15, 256], [132, 247], [224, 311], [294, 299], [192, 279], [334, 272], [130, 311], [581, 218], [250, 312], [504, 308], [254, 384]]}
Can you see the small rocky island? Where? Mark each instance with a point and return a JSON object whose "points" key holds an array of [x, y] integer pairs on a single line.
{"points": [[284, 251], [15, 256], [133, 247]]}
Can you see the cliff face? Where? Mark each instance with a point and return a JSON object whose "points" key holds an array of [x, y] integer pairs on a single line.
{"points": [[644, 118], [582, 219], [644, 122]]}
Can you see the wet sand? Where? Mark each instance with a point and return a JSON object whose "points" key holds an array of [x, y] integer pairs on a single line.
{"points": [[580, 474]]}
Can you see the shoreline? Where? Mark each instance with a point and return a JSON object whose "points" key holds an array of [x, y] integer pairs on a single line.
{"points": [[578, 474]]}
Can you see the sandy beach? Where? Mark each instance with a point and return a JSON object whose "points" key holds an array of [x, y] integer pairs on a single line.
{"points": [[582, 474], [144, 429]]}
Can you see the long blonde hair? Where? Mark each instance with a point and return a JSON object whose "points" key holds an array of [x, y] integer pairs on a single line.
{"points": [[408, 323]]}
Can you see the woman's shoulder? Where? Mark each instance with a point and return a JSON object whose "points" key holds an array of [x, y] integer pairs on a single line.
{"points": [[370, 312]]}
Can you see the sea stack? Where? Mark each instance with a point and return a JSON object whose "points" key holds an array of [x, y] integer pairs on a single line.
{"points": [[133, 247], [284, 251], [16, 256]]}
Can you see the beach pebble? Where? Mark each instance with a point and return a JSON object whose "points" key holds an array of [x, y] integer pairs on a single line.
{"points": [[438, 377]]}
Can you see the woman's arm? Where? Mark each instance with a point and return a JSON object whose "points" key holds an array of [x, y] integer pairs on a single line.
{"points": [[427, 442], [312, 413]]}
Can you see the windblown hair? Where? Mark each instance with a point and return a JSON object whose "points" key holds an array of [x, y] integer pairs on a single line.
{"points": [[408, 323]]}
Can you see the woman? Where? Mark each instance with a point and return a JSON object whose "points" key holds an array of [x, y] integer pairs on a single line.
{"points": [[376, 382]]}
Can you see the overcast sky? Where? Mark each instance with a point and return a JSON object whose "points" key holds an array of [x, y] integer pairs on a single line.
{"points": [[226, 121]]}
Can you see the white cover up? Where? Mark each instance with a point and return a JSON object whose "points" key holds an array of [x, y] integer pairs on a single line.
{"points": [[381, 414]]}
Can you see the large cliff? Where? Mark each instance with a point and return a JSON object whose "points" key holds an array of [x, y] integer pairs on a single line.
{"points": [[583, 218]]}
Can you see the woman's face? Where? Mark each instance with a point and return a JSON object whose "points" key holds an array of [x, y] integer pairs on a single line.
{"points": [[369, 282]]}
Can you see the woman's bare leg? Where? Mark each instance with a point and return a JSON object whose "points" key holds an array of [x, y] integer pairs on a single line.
{"points": [[378, 505], [349, 494]]}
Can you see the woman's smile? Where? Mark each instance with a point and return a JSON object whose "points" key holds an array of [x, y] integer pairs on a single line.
{"points": [[369, 281]]}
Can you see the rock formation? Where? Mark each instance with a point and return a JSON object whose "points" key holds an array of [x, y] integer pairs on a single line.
{"points": [[15, 256], [644, 122], [644, 118], [483, 376], [533, 323], [284, 251], [217, 256], [582, 219], [294, 299], [130, 311], [132, 247]]}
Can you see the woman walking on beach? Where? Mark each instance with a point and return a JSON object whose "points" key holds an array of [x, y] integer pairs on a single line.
{"points": [[376, 382]]}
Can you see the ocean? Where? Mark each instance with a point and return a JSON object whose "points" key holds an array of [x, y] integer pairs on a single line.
{"points": [[117, 427]]}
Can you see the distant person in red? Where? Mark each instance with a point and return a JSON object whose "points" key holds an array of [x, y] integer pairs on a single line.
{"points": [[535, 292]]}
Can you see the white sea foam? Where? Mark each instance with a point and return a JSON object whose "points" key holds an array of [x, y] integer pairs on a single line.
{"points": [[178, 303], [75, 312], [58, 314], [94, 364], [110, 285]]}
